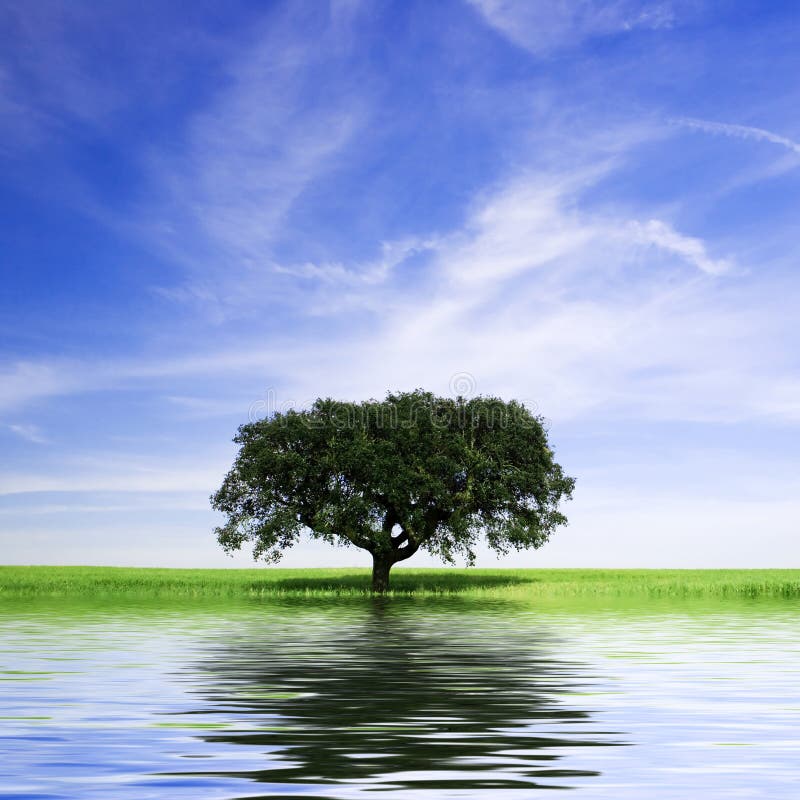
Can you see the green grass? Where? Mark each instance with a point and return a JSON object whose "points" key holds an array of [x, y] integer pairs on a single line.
{"points": [[16, 582]]}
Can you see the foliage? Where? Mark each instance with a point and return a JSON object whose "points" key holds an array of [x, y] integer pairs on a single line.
{"points": [[412, 471]]}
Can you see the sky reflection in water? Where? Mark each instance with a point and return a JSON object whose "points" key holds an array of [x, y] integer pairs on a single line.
{"points": [[412, 698]]}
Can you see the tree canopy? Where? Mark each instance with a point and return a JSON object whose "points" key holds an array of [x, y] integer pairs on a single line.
{"points": [[393, 476]]}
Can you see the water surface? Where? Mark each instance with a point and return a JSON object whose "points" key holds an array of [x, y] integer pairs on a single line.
{"points": [[399, 699]]}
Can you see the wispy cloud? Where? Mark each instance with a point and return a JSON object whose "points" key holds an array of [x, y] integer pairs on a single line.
{"points": [[31, 433], [738, 132], [343, 275], [299, 209], [48, 74], [537, 294], [30, 504], [212, 196], [542, 26], [583, 311], [23, 382], [690, 248], [155, 476], [219, 203]]}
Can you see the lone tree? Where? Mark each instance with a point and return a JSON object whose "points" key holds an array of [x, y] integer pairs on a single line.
{"points": [[412, 471]]}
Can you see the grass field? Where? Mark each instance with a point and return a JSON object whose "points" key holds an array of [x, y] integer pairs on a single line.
{"points": [[16, 582]]}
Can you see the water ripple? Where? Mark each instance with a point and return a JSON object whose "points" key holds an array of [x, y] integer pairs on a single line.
{"points": [[406, 698]]}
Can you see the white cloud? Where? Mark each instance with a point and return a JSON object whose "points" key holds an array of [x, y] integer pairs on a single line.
{"points": [[343, 276], [219, 202], [691, 249], [536, 296], [31, 433], [26, 381], [639, 530], [156, 478], [542, 26], [152, 545], [782, 401], [609, 527], [144, 505], [559, 286], [213, 194], [526, 225], [583, 313]]}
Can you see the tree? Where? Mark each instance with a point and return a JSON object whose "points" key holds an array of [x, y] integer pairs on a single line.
{"points": [[412, 471]]}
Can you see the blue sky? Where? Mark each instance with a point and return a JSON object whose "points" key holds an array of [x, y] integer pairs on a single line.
{"points": [[211, 210]]}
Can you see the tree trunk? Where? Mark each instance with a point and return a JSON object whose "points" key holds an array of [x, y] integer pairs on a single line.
{"points": [[381, 564]]}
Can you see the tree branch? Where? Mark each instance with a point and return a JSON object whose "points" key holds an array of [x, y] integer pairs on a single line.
{"points": [[432, 518], [402, 553], [399, 539], [390, 520], [359, 541]]}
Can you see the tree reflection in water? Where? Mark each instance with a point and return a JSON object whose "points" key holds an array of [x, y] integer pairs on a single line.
{"points": [[400, 695]]}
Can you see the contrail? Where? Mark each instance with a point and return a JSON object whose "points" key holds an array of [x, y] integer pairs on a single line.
{"points": [[739, 131]]}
